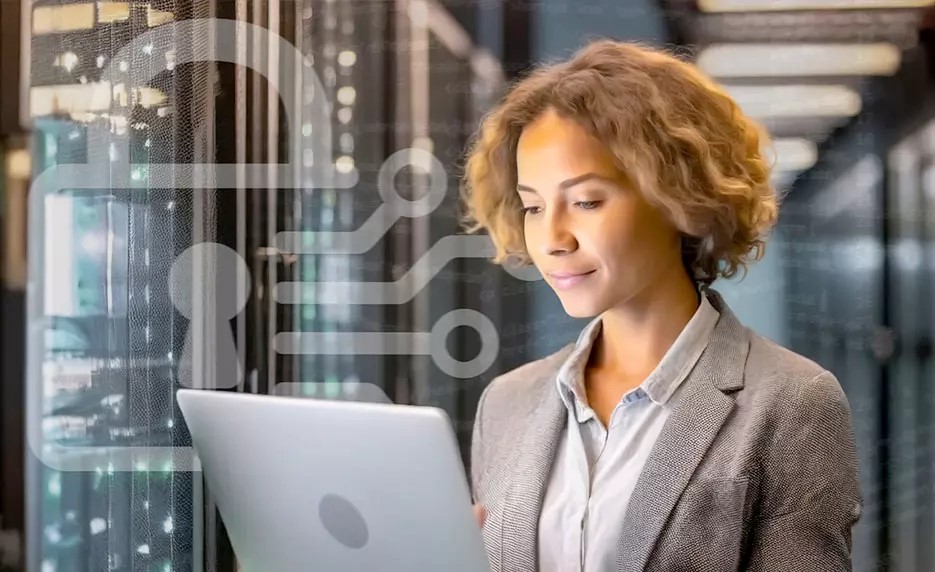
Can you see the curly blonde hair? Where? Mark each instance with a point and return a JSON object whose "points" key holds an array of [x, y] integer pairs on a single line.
{"points": [[673, 133]]}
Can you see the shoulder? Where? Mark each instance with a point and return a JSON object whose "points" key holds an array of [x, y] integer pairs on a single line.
{"points": [[770, 371], [798, 416], [515, 398], [506, 406], [795, 392], [523, 385], [768, 359]]}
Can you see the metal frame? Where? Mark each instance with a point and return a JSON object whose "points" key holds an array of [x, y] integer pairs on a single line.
{"points": [[14, 69]]}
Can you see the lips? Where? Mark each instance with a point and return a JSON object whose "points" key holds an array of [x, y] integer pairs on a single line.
{"points": [[565, 280]]}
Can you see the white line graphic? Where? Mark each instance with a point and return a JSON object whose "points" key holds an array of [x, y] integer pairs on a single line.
{"points": [[403, 343]]}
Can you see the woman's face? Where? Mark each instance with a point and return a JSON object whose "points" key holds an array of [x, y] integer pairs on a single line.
{"points": [[596, 240]]}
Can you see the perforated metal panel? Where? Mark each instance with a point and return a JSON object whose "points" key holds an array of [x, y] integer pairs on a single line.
{"points": [[104, 337]]}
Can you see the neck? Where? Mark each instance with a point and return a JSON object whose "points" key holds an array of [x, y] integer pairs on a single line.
{"points": [[636, 334]]}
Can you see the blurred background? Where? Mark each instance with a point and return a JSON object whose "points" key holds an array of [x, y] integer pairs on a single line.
{"points": [[91, 363]]}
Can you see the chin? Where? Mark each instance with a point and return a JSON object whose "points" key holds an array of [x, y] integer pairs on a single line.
{"points": [[579, 308]]}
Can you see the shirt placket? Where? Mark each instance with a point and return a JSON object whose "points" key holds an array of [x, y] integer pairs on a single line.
{"points": [[596, 433]]}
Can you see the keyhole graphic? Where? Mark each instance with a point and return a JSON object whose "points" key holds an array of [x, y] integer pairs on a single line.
{"points": [[209, 284]]}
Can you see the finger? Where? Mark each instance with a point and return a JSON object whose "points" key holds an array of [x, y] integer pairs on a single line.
{"points": [[481, 513]]}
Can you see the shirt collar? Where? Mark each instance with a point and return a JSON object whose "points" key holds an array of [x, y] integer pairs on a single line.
{"points": [[571, 373], [662, 382]]}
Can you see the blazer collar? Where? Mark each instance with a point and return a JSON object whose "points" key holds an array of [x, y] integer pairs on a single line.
{"points": [[730, 341], [704, 405], [665, 379], [699, 412]]}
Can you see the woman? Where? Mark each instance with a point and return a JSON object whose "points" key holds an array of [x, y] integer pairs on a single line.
{"points": [[669, 437]]}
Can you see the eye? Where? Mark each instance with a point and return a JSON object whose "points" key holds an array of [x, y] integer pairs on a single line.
{"points": [[588, 205], [530, 210]]}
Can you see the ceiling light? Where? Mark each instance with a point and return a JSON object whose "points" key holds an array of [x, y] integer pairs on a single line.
{"points": [[784, 60], [774, 5], [147, 97], [782, 180], [792, 154], [158, 17], [68, 60], [70, 98], [112, 12], [62, 19], [18, 164], [775, 101]]}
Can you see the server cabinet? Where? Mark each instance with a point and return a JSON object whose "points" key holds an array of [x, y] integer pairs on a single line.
{"points": [[111, 337], [911, 199], [104, 489]]}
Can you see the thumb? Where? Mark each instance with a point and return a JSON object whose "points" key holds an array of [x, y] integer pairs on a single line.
{"points": [[480, 513]]}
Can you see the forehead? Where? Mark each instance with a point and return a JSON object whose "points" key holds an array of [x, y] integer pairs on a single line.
{"points": [[554, 146]]}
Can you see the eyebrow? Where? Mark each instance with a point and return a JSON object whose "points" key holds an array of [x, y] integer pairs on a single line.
{"points": [[569, 183]]}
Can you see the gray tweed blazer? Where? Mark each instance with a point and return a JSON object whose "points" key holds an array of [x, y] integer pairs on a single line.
{"points": [[755, 469]]}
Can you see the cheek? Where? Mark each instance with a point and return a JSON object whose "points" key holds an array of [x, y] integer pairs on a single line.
{"points": [[615, 239], [627, 241], [531, 241], [529, 236]]}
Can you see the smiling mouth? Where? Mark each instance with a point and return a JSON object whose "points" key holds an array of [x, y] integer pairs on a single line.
{"points": [[564, 281]]}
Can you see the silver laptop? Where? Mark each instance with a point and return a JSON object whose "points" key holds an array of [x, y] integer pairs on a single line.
{"points": [[307, 484]]}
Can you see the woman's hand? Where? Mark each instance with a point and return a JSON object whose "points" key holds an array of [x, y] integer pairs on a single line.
{"points": [[481, 513]]}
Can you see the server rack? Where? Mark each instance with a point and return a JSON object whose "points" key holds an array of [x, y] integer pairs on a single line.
{"points": [[104, 338], [107, 340]]}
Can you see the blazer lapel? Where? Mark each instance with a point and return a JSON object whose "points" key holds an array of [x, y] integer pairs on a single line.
{"points": [[700, 411], [529, 474]]}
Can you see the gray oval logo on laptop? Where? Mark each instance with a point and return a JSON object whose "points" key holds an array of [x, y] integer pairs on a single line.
{"points": [[343, 521]]}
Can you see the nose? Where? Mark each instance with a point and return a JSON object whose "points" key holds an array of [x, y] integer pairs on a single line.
{"points": [[558, 237]]}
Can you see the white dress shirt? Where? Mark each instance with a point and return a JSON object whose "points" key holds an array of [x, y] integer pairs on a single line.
{"points": [[596, 468]]}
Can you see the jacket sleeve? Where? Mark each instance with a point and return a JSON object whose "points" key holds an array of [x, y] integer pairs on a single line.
{"points": [[478, 456], [810, 495]]}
